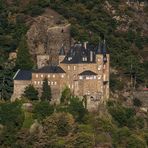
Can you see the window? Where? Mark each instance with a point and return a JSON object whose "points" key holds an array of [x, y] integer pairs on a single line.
{"points": [[99, 77], [69, 85], [42, 82], [62, 76], [55, 83], [53, 76], [94, 77], [81, 77], [37, 75], [41, 76], [87, 78], [72, 86], [48, 82], [48, 76], [38, 82], [51, 83], [99, 68], [35, 82], [74, 67], [68, 67], [99, 59]]}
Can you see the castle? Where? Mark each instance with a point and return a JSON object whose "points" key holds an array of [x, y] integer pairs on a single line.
{"points": [[84, 69]]}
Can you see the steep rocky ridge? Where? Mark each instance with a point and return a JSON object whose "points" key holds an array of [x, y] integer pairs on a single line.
{"points": [[47, 34]]}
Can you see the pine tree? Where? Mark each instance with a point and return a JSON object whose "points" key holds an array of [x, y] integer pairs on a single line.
{"points": [[23, 57], [31, 93], [46, 91]]}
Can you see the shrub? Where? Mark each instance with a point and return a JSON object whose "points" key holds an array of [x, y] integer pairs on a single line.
{"points": [[42, 110], [30, 93]]}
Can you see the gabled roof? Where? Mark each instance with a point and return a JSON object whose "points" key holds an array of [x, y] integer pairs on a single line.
{"points": [[88, 73], [23, 75], [49, 69]]}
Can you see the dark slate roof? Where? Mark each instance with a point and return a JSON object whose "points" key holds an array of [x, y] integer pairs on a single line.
{"points": [[88, 73], [78, 52], [49, 69], [23, 75]]}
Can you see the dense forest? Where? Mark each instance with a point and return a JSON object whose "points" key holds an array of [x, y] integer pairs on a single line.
{"points": [[70, 125], [38, 124]]}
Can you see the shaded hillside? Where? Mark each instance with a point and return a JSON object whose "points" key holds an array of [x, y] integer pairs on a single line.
{"points": [[123, 25]]}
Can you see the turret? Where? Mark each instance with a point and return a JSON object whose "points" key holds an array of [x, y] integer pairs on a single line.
{"points": [[61, 54], [104, 52]]}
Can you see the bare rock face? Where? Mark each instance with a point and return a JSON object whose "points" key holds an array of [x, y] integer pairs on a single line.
{"points": [[47, 34]]}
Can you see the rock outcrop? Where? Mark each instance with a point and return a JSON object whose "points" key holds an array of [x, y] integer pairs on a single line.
{"points": [[47, 34]]}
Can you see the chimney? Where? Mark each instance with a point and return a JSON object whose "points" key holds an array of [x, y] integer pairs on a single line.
{"points": [[85, 45], [91, 56]]}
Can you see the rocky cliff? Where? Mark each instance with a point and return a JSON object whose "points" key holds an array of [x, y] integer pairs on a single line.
{"points": [[47, 34]]}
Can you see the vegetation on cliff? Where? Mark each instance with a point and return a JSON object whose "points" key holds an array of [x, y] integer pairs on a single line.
{"points": [[44, 125]]}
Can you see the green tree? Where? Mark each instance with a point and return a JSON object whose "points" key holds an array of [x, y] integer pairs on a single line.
{"points": [[30, 93], [6, 83], [66, 95], [23, 60], [11, 115], [77, 109], [137, 102], [84, 140], [46, 91], [63, 126], [42, 110]]}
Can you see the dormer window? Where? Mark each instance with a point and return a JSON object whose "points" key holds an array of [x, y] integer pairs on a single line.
{"points": [[84, 59], [69, 58]]}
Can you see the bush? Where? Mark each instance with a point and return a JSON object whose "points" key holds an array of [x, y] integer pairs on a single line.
{"points": [[137, 102], [77, 109], [11, 115], [42, 110], [30, 93]]}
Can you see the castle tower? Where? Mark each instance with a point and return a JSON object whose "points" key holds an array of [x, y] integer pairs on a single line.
{"points": [[102, 60], [105, 72]]}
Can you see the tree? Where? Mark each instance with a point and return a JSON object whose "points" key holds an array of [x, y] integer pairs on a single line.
{"points": [[11, 115], [137, 102], [42, 110], [6, 83], [30, 93], [46, 91], [24, 60], [84, 140], [77, 109], [66, 95]]}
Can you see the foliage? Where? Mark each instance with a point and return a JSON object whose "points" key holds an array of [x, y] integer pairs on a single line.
{"points": [[84, 140], [11, 115], [122, 115], [46, 91], [42, 110], [76, 108], [30, 93], [66, 95], [6, 85], [137, 102], [60, 123], [24, 60]]}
